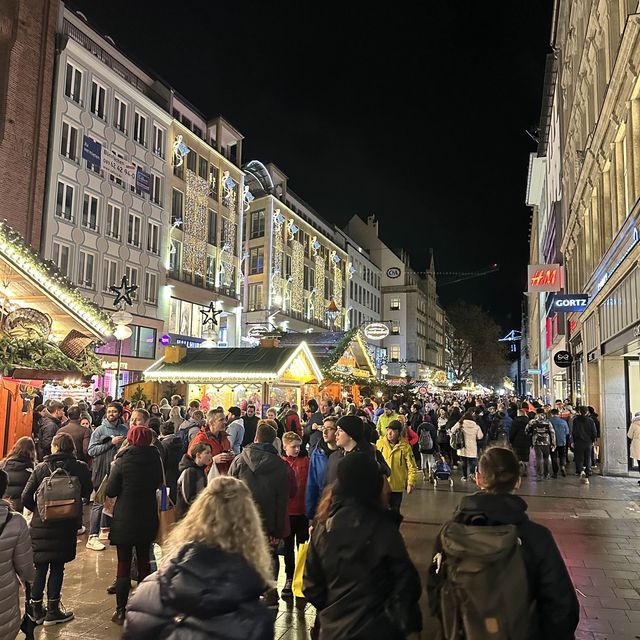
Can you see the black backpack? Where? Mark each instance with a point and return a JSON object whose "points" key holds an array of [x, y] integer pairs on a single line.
{"points": [[457, 439], [481, 583], [541, 434]]}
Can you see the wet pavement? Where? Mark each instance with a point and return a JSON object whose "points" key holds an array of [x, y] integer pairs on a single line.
{"points": [[596, 526]]}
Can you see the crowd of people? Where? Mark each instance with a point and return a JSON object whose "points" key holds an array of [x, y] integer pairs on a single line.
{"points": [[248, 489]]}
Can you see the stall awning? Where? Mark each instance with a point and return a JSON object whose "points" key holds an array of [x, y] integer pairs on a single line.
{"points": [[259, 364]]}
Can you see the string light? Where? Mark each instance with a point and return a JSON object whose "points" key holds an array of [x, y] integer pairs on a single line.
{"points": [[194, 225], [297, 285]]}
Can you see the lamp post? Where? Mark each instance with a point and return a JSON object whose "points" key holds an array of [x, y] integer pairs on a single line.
{"points": [[122, 318]]}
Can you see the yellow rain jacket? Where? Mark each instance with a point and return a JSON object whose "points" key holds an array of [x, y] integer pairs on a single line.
{"points": [[400, 459]]}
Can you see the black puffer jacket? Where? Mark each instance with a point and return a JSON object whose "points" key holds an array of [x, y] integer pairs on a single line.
{"points": [[135, 475], [55, 541], [174, 449], [362, 447], [556, 606], [201, 593], [518, 436], [359, 576], [19, 471], [49, 426], [191, 483]]}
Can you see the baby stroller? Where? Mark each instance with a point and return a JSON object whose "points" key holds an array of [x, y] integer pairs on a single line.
{"points": [[442, 472]]}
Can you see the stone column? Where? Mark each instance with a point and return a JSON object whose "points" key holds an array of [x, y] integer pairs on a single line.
{"points": [[613, 417]]}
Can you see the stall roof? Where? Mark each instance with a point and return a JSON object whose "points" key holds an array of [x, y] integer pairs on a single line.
{"points": [[262, 364]]}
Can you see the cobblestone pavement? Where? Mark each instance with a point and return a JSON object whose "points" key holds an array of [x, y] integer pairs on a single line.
{"points": [[597, 528]]}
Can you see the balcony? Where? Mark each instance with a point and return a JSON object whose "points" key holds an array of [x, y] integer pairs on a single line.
{"points": [[202, 283]]}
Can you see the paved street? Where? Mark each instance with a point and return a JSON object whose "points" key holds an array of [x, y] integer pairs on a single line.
{"points": [[597, 528]]}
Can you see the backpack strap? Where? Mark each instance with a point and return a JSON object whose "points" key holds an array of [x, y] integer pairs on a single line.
{"points": [[6, 522]]}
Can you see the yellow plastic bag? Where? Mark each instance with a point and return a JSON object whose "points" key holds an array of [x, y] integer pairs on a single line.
{"points": [[299, 572]]}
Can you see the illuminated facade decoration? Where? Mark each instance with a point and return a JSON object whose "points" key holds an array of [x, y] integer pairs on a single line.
{"points": [[297, 284], [180, 150], [194, 225]]}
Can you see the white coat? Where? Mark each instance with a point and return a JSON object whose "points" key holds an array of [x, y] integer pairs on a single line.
{"points": [[634, 435], [472, 433]]}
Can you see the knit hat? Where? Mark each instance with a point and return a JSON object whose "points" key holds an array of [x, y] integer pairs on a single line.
{"points": [[140, 436], [396, 425], [359, 477], [389, 405], [352, 426]]}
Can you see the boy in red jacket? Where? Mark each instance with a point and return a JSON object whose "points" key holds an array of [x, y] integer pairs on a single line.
{"points": [[291, 443]]}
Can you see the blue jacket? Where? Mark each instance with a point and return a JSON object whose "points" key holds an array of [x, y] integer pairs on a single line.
{"points": [[102, 450], [317, 478], [561, 428]]}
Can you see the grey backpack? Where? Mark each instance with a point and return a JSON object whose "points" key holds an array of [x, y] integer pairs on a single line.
{"points": [[59, 497]]}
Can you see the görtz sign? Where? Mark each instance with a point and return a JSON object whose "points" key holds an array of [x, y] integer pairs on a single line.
{"points": [[569, 302]]}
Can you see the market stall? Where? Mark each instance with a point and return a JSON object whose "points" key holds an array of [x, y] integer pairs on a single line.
{"points": [[47, 329], [225, 377]]}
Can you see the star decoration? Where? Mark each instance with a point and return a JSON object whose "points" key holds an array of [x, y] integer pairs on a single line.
{"points": [[210, 315], [123, 292]]}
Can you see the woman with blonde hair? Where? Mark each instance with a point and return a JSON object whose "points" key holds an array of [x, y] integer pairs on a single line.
{"points": [[216, 565]]}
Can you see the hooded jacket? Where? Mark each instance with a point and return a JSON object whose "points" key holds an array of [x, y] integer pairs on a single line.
{"points": [[19, 471], [358, 549], [265, 473], [200, 593], [102, 450], [519, 436], [583, 430], [49, 426], [399, 458], [556, 611], [173, 452], [317, 478], [300, 467], [191, 482], [81, 438]]}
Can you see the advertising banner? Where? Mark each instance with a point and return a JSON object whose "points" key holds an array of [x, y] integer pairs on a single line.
{"points": [[143, 181], [118, 167], [91, 151]]}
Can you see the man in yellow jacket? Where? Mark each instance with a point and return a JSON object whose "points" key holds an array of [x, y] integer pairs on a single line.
{"points": [[388, 416], [398, 455]]}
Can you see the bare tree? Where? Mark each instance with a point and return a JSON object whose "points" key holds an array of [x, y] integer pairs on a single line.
{"points": [[459, 354]]}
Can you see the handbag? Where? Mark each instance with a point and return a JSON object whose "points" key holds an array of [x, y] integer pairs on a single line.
{"points": [[299, 571], [166, 510]]}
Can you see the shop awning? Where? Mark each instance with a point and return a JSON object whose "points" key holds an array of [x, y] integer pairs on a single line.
{"points": [[259, 364]]}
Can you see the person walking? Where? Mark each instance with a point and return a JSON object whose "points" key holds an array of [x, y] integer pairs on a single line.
{"points": [[165, 408], [16, 563], [103, 446], [583, 435], [543, 439], [531, 594], [428, 447], [318, 460], [634, 435], [213, 433], [173, 451], [193, 478], [50, 421], [468, 452], [520, 439], [53, 542], [81, 435], [136, 474], [235, 429], [250, 422], [313, 429], [205, 555], [562, 432], [18, 466], [356, 547], [398, 455], [388, 416]]}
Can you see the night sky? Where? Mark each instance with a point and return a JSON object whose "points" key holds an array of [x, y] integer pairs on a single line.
{"points": [[417, 116]]}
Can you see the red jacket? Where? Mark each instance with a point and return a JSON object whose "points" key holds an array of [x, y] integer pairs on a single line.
{"points": [[217, 446], [411, 437], [292, 423], [300, 468]]}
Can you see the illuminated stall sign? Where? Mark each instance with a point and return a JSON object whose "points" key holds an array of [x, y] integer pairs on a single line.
{"points": [[376, 331], [567, 303], [544, 277]]}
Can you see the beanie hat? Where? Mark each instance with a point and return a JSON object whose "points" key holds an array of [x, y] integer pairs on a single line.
{"points": [[359, 477], [396, 425], [389, 405], [140, 436], [352, 426]]}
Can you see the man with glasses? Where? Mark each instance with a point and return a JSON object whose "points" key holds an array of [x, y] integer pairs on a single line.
{"points": [[319, 459]]}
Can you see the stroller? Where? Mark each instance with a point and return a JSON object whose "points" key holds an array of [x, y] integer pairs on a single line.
{"points": [[442, 472]]}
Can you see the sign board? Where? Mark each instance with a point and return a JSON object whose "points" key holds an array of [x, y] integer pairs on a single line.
{"points": [[165, 340], [534, 371], [423, 391], [569, 302], [118, 166], [544, 277], [257, 332], [376, 331], [143, 181], [394, 272], [563, 359], [91, 151]]}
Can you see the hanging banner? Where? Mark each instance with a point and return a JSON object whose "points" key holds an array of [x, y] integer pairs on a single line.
{"points": [[91, 151], [118, 166], [143, 181]]}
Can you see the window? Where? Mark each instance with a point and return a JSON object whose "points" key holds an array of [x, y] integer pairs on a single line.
{"points": [[257, 224], [395, 352], [256, 261], [176, 206], [85, 269], [255, 297], [141, 344], [140, 129], [158, 140], [64, 201], [213, 182], [98, 99], [134, 231], [310, 278], [90, 211], [211, 239], [175, 257], [395, 304], [197, 131], [287, 266], [69, 142], [229, 235], [113, 221], [395, 330], [156, 189], [203, 168], [211, 272], [73, 83], [61, 257], [153, 237], [109, 274], [192, 160], [150, 287], [118, 181], [132, 277], [178, 171], [93, 167], [120, 114]]}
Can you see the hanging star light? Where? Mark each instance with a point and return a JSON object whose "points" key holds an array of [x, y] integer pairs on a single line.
{"points": [[210, 315], [123, 292]]}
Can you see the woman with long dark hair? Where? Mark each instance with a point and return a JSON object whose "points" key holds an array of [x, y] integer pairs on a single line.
{"points": [[19, 465]]}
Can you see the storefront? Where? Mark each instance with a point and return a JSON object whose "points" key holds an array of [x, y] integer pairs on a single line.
{"points": [[266, 376]]}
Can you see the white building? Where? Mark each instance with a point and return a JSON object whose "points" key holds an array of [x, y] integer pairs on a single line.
{"points": [[99, 227]]}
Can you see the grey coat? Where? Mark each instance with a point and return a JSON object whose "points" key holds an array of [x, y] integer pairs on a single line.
{"points": [[16, 561]]}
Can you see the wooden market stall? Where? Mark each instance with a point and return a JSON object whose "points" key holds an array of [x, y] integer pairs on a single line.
{"points": [[266, 376], [46, 331]]}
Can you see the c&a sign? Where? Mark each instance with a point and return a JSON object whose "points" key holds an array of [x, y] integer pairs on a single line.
{"points": [[544, 277]]}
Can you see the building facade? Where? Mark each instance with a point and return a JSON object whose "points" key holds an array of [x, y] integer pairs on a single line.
{"points": [[106, 186], [296, 272], [203, 257]]}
